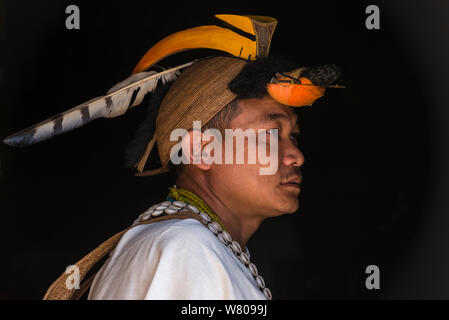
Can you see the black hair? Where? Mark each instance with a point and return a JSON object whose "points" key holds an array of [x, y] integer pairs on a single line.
{"points": [[145, 131], [322, 75]]}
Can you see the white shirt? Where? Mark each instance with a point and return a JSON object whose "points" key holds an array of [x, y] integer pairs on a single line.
{"points": [[173, 259]]}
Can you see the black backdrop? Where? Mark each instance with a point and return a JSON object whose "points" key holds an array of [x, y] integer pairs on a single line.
{"points": [[373, 188]]}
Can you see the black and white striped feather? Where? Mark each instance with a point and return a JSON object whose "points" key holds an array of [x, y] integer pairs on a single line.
{"points": [[122, 96]]}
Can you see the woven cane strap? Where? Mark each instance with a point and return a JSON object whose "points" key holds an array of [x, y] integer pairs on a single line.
{"points": [[59, 291]]}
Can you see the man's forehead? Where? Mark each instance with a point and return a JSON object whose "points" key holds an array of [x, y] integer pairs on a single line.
{"points": [[266, 110]]}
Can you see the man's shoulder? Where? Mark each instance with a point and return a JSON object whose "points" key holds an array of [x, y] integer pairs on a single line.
{"points": [[174, 229], [168, 233]]}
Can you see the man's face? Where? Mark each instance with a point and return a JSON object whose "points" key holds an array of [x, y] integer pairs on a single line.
{"points": [[242, 185]]}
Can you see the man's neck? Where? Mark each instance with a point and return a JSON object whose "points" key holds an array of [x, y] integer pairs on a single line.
{"points": [[240, 226]]}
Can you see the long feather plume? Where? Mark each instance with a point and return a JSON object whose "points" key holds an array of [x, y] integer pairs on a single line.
{"points": [[122, 96]]}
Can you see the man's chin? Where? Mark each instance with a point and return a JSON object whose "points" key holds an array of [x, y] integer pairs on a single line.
{"points": [[289, 205], [294, 207], [288, 199]]}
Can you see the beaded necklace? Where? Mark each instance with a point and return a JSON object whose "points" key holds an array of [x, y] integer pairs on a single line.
{"points": [[171, 207], [181, 194]]}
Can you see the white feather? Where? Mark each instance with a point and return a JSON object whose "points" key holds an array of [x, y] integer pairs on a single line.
{"points": [[115, 103]]}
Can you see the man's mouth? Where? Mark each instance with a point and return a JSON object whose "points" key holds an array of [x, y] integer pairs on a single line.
{"points": [[293, 182], [291, 185]]}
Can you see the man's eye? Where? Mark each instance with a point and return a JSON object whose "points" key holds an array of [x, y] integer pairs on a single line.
{"points": [[295, 136], [273, 131]]}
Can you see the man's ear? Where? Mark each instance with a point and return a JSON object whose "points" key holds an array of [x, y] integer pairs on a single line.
{"points": [[192, 148]]}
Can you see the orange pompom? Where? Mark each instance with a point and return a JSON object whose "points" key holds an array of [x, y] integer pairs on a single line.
{"points": [[295, 95]]}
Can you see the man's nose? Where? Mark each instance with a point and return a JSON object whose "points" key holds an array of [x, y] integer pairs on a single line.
{"points": [[292, 156]]}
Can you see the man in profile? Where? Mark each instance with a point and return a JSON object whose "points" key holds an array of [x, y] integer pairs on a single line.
{"points": [[192, 245], [183, 259]]}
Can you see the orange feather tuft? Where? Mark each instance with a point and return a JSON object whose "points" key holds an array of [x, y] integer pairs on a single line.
{"points": [[295, 95]]}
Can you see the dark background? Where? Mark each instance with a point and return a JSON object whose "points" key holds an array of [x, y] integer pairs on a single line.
{"points": [[375, 188]]}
